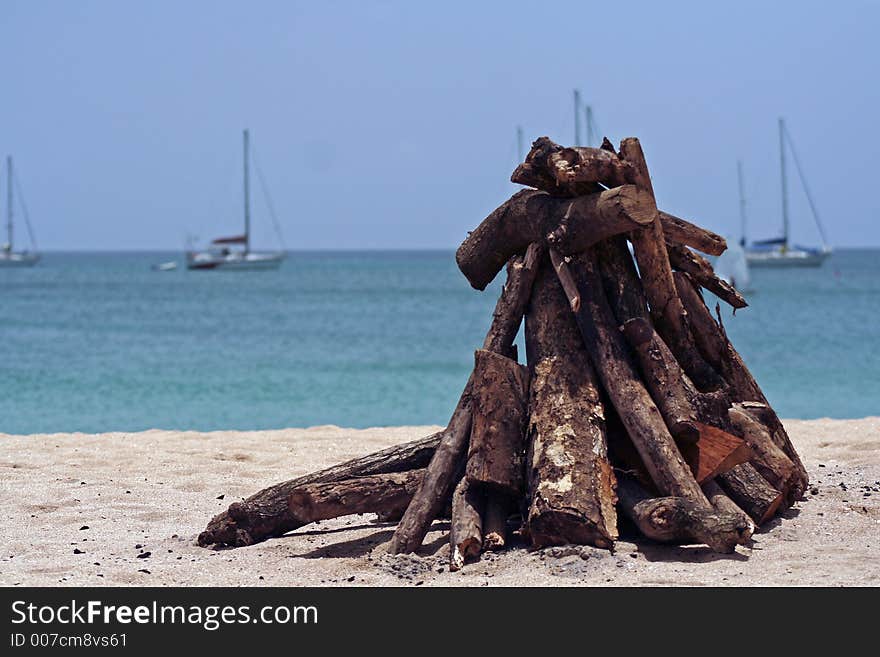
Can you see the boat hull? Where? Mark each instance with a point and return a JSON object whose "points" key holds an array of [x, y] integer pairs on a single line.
{"points": [[18, 259], [793, 258], [234, 262]]}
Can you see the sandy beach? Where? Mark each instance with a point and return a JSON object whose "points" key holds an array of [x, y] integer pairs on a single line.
{"points": [[125, 509]]}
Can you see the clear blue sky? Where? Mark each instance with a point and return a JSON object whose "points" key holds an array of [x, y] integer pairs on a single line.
{"points": [[392, 124]]}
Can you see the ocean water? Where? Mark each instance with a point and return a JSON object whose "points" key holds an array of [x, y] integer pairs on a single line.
{"points": [[98, 342]]}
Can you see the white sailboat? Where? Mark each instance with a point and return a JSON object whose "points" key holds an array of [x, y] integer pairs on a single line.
{"points": [[221, 255], [778, 251], [9, 257]]}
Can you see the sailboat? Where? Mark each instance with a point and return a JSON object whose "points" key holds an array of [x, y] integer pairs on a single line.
{"points": [[221, 255], [9, 257], [778, 251]]}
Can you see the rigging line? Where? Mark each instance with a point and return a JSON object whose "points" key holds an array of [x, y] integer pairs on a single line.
{"points": [[27, 217], [268, 196], [797, 165]]}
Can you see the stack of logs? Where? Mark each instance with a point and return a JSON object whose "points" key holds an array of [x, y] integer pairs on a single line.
{"points": [[633, 400]]}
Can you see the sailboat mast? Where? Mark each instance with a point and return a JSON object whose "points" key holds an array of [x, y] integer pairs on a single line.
{"points": [[9, 203], [519, 143], [590, 130], [577, 117], [247, 199], [742, 203], [784, 181]]}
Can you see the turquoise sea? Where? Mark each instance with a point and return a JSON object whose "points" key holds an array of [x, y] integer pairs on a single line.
{"points": [[99, 342]]}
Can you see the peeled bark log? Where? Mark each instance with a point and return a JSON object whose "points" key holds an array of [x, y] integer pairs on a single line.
{"points": [[466, 529], [751, 492], [680, 521], [643, 421], [768, 459], [670, 319], [530, 216], [266, 514], [571, 483], [499, 400], [372, 494], [712, 341], [683, 259]]}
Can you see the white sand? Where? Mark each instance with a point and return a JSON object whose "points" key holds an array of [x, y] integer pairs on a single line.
{"points": [[107, 494]]}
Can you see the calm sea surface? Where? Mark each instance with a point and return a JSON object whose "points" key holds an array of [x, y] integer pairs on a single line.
{"points": [[98, 342]]}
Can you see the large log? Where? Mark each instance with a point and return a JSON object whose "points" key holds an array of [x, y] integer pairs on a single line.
{"points": [[643, 421], [751, 492], [670, 319], [530, 216], [466, 529], [499, 401], [452, 448], [571, 483], [266, 514], [680, 521], [371, 494], [712, 341], [683, 259]]}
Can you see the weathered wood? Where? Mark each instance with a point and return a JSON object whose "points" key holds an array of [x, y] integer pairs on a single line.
{"points": [[751, 492], [768, 459], [499, 401], [452, 448], [571, 482], [530, 216], [723, 504], [437, 484], [679, 231], [610, 212], [576, 168], [466, 529], [712, 341], [664, 379], [511, 305], [621, 282], [495, 521], [670, 319], [677, 520], [371, 494], [540, 171], [683, 259], [266, 514], [643, 421]]}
